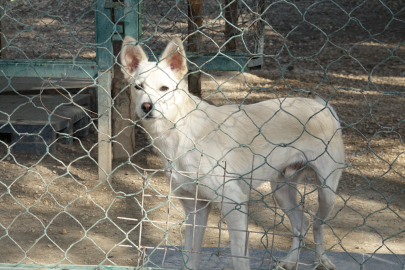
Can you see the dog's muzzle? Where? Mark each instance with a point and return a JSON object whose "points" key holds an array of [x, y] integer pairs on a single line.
{"points": [[147, 107]]}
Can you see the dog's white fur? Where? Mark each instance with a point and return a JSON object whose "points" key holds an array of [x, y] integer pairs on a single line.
{"points": [[286, 138]]}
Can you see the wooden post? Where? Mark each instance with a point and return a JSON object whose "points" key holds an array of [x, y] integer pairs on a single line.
{"points": [[195, 14], [129, 15], [124, 136], [105, 60], [104, 124], [231, 16]]}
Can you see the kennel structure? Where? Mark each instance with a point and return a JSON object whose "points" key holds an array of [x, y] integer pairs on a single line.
{"points": [[113, 20], [66, 203]]}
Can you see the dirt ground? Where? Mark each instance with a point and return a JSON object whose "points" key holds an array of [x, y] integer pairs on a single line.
{"points": [[60, 206], [53, 209]]}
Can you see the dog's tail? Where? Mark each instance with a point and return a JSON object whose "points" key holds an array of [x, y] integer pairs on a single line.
{"points": [[321, 101]]}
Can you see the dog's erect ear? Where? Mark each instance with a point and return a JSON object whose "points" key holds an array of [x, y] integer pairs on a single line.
{"points": [[175, 57], [131, 56]]}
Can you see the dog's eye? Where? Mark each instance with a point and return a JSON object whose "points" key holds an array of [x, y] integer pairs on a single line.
{"points": [[164, 88], [139, 86]]}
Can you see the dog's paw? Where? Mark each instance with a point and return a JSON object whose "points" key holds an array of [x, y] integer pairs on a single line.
{"points": [[284, 265], [325, 264]]}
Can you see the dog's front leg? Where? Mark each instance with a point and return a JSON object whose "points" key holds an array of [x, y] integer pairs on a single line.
{"points": [[197, 215], [236, 220]]}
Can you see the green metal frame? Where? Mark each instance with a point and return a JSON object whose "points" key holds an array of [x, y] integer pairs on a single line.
{"points": [[48, 68], [106, 31]]}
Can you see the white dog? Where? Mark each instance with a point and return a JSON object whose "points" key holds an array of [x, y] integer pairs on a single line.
{"points": [[286, 139]]}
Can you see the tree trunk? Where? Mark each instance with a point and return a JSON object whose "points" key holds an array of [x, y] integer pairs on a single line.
{"points": [[231, 16], [195, 14]]}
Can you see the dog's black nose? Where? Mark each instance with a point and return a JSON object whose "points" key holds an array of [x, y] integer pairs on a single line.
{"points": [[146, 107]]}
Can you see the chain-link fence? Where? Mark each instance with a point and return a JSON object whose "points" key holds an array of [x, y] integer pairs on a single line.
{"points": [[99, 172]]}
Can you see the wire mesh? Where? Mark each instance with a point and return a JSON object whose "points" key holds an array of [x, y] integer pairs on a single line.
{"points": [[54, 210], [49, 29]]}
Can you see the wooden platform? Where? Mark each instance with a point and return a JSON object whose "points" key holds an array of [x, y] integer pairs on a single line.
{"points": [[36, 126]]}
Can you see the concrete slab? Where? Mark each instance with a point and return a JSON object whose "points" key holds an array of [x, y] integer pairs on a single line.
{"points": [[384, 261], [260, 260]]}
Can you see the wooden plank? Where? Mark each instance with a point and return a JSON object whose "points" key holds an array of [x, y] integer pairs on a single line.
{"points": [[48, 68], [33, 128], [104, 124], [24, 112], [26, 85]]}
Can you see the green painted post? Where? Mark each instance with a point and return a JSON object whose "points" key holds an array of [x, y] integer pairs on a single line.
{"points": [[132, 20], [104, 32]]}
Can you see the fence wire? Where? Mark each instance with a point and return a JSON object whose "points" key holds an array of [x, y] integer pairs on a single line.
{"points": [[55, 209]]}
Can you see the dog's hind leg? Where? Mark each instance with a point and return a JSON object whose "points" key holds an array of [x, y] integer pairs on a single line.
{"points": [[285, 194], [326, 200], [195, 229]]}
